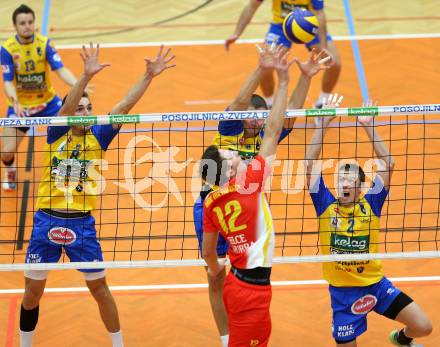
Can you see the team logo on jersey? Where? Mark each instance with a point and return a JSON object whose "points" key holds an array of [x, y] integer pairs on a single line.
{"points": [[364, 304], [350, 244], [254, 343], [39, 51], [362, 207], [62, 236]]}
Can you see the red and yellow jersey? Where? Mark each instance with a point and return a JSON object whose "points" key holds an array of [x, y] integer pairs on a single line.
{"points": [[240, 212], [28, 66], [350, 230], [281, 8]]}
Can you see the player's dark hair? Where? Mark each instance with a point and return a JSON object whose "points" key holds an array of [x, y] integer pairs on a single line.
{"points": [[213, 167], [258, 102], [351, 166], [22, 9], [84, 95]]}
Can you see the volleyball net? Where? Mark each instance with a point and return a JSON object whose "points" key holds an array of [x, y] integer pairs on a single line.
{"points": [[149, 180]]}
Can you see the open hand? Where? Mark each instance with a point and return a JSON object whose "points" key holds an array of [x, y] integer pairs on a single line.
{"points": [[90, 58], [315, 63], [159, 63]]}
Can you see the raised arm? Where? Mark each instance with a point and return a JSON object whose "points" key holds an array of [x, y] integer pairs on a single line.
{"points": [[322, 29], [315, 146], [274, 123], [315, 63], [381, 150], [154, 67], [245, 18], [265, 62], [91, 68]]}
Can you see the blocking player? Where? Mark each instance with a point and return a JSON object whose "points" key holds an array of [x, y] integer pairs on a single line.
{"points": [[26, 59], [245, 137], [349, 224], [280, 9], [240, 212], [67, 195]]}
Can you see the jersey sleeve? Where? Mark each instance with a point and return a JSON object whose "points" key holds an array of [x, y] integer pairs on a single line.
{"points": [[318, 4], [7, 64], [104, 134], [284, 133], [230, 127], [208, 223], [54, 133], [321, 196], [52, 57], [376, 196]]}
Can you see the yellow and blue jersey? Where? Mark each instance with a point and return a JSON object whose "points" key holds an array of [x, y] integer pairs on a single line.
{"points": [[71, 168], [350, 230], [28, 66], [281, 8], [230, 135]]}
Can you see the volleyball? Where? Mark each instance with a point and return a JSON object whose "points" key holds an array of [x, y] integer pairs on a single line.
{"points": [[300, 26]]}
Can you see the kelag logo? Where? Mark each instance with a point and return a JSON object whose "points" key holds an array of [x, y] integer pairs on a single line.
{"points": [[363, 111], [82, 120], [350, 244], [321, 112], [124, 119]]}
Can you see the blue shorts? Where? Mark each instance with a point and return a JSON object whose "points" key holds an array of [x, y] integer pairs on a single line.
{"points": [[350, 306], [51, 234], [50, 110], [276, 34], [222, 244]]}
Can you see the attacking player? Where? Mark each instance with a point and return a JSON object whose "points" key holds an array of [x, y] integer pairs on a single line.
{"points": [[240, 212], [280, 9], [67, 195], [349, 224], [245, 137], [25, 59]]}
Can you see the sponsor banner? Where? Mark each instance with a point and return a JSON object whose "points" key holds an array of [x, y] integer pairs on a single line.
{"points": [[364, 304], [124, 119], [19, 122], [416, 108], [78, 120], [363, 111], [321, 112], [218, 116], [350, 244]]}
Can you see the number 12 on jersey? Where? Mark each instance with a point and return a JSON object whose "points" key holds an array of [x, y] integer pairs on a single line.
{"points": [[228, 217]]}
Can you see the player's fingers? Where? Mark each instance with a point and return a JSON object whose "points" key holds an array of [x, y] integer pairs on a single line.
{"points": [[340, 99], [335, 98], [166, 52], [260, 50], [273, 46], [319, 55], [160, 51], [97, 49], [324, 60], [169, 59]]}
